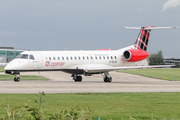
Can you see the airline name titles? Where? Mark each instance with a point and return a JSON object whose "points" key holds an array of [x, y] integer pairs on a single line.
{"points": [[53, 64]]}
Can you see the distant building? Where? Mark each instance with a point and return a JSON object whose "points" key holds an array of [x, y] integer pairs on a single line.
{"points": [[171, 61], [8, 53], [3, 47]]}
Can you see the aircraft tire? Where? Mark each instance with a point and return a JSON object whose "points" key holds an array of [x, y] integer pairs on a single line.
{"points": [[78, 79], [108, 79], [16, 79]]}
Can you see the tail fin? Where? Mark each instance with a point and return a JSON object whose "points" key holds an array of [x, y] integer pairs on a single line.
{"points": [[143, 37]]}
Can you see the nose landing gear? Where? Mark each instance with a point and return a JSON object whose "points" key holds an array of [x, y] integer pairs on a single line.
{"points": [[17, 78]]}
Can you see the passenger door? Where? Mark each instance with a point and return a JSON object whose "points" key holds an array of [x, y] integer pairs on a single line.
{"points": [[33, 61], [40, 60]]}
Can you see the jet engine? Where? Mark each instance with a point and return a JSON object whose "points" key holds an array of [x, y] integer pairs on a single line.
{"points": [[134, 55]]}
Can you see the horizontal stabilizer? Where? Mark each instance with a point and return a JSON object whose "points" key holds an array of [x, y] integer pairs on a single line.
{"points": [[150, 28], [154, 28], [135, 28]]}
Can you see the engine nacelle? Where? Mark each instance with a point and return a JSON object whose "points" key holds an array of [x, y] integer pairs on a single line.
{"points": [[134, 55]]}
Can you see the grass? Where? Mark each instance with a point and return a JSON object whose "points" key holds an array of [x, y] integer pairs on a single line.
{"points": [[23, 77], [2, 68], [159, 73], [115, 106]]}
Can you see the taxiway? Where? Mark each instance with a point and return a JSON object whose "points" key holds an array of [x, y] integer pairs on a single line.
{"points": [[62, 83]]}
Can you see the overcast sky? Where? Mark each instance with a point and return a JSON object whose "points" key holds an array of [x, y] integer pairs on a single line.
{"points": [[88, 24]]}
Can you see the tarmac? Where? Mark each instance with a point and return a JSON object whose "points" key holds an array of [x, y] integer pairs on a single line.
{"points": [[61, 82]]}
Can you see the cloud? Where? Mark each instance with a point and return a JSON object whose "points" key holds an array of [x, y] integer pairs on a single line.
{"points": [[171, 4]]}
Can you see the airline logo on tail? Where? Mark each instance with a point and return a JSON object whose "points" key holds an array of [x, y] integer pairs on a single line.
{"points": [[143, 38]]}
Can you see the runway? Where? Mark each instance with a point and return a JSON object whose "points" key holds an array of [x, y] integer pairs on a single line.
{"points": [[62, 83]]}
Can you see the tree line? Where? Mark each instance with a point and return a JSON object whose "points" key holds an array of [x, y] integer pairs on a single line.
{"points": [[157, 59]]}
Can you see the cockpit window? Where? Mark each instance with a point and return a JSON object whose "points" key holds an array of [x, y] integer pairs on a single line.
{"points": [[23, 56], [31, 57]]}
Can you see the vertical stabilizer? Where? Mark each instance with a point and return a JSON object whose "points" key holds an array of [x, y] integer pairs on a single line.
{"points": [[143, 38]]}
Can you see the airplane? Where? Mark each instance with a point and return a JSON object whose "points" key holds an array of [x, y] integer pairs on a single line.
{"points": [[86, 63]]}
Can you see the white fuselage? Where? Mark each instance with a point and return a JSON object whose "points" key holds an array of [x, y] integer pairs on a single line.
{"points": [[61, 60]]}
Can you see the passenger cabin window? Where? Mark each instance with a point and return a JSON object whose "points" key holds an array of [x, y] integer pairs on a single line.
{"points": [[31, 57], [24, 56], [71, 58], [49, 58], [58, 58], [87, 58], [62, 58], [115, 57]]}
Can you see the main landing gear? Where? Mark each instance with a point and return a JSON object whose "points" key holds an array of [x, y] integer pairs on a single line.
{"points": [[107, 77], [77, 78], [17, 78]]}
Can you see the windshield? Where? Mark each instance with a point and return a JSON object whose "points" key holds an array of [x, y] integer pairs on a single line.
{"points": [[23, 56], [31, 57]]}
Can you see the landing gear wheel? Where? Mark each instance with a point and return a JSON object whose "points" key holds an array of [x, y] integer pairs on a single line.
{"points": [[77, 79], [108, 79], [16, 79]]}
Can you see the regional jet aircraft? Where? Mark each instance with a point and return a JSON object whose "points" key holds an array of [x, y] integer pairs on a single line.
{"points": [[86, 63]]}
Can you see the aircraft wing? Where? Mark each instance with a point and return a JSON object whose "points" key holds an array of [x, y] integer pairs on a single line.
{"points": [[93, 70]]}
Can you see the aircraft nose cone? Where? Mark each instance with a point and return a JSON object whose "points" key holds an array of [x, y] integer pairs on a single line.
{"points": [[13, 67], [9, 66]]}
